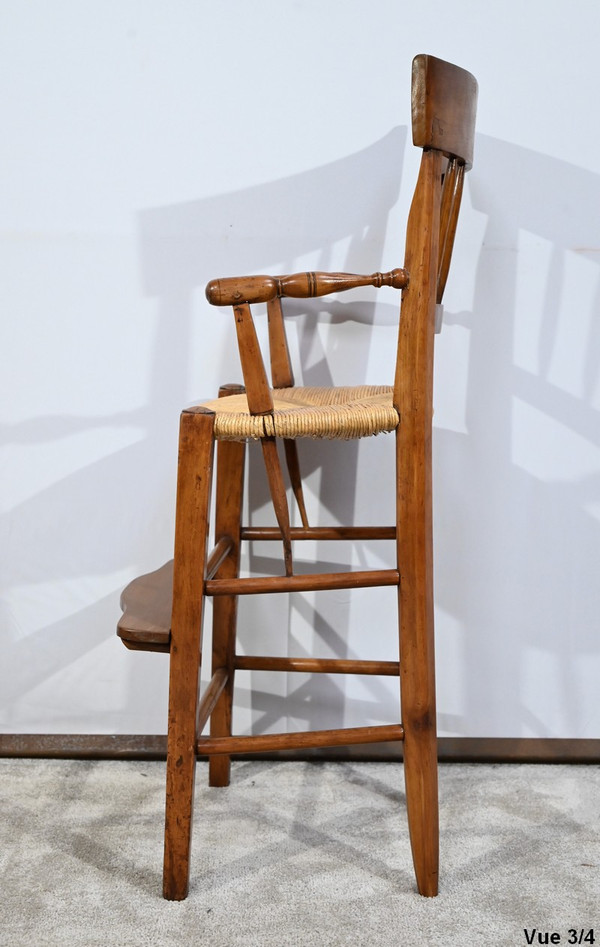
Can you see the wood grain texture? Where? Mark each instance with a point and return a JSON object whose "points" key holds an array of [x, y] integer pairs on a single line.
{"points": [[233, 290], [282, 374], [444, 105], [260, 400], [191, 533], [221, 550], [292, 460], [231, 457], [210, 698], [322, 533], [147, 602], [315, 582], [278, 497], [451, 199], [414, 399], [145, 624], [316, 665], [287, 741]]}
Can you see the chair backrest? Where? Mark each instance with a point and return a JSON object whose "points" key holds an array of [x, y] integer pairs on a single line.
{"points": [[444, 101]]}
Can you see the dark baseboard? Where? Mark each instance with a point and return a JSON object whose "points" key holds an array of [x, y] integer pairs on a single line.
{"points": [[517, 750], [451, 749], [83, 746]]}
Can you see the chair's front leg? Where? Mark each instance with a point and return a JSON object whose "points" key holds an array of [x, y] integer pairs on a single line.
{"points": [[191, 533]]}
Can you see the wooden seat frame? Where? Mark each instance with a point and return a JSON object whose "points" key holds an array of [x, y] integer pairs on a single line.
{"points": [[163, 611]]}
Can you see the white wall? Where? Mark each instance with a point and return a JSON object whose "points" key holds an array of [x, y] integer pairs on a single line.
{"points": [[149, 146]]}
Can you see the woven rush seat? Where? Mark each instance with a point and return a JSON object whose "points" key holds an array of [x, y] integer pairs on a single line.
{"points": [[348, 412]]}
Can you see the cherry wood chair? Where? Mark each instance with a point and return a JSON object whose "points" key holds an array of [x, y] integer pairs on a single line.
{"points": [[163, 610]]}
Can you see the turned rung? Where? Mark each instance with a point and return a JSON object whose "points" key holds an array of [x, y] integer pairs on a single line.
{"points": [[210, 697], [220, 552], [320, 532], [303, 583], [316, 665], [268, 742]]}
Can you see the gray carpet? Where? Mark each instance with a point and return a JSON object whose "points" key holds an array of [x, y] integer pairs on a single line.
{"points": [[296, 853]]}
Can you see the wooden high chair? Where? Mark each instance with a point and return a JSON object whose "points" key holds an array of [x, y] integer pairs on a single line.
{"points": [[163, 611]]}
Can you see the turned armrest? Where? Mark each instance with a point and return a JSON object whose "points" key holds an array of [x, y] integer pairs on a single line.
{"points": [[260, 289]]}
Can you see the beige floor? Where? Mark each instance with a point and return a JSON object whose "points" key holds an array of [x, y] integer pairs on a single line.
{"points": [[296, 853]]}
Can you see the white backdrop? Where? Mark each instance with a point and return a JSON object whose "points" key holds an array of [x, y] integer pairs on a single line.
{"points": [[151, 145]]}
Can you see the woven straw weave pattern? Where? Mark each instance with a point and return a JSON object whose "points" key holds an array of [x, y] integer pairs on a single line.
{"points": [[309, 412]]}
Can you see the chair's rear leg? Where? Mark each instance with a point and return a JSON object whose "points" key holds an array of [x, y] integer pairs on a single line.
{"points": [[224, 629], [229, 488], [420, 757], [417, 669], [191, 532]]}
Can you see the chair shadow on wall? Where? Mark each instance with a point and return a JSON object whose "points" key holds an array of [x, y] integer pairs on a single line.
{"points": [[524, 478], [181, 247], [482, 487], [510, 593]]}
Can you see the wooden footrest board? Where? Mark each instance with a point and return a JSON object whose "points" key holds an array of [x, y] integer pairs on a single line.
{"points": [[145, 624]]}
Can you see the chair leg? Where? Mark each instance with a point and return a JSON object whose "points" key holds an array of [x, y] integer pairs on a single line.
{"points": [[230, 482], [191, 532], [417, 671]]}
